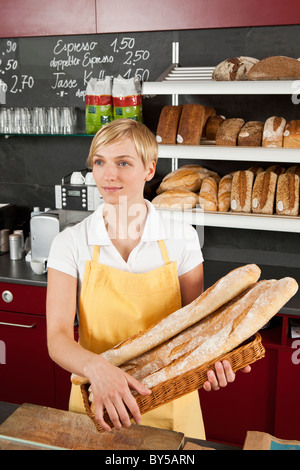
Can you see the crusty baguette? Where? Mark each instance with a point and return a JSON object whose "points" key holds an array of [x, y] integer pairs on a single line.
{"points": [[234, 333], [192, 337], [208, 197], [224, 290], [224, 193]]}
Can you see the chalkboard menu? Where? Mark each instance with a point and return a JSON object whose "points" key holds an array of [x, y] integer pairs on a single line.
{"points": [[54, 71]]}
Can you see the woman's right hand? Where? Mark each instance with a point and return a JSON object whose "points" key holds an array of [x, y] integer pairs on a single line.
{"points": [[111, 390]]}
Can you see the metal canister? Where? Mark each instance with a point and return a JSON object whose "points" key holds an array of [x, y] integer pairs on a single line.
{"points": [[15, 246]]}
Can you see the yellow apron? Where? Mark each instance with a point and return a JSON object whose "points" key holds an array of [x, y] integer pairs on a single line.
{"points": [[116, 304]]}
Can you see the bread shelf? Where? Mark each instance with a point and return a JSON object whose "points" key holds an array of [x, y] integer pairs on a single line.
{"points": [[275, 223], [197, 81], [213, 152]]}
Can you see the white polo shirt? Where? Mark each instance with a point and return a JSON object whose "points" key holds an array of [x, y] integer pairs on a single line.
{"points": [[74, 245]]}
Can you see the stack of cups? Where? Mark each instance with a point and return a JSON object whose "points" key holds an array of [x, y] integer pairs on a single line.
{"points": [[38, 120]]}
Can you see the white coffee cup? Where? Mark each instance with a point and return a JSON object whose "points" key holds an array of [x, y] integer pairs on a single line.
{"points": [[77, 178], [39, 265]]}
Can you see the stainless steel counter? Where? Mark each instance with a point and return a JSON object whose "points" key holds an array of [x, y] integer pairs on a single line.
{"points": [[19, 272]]}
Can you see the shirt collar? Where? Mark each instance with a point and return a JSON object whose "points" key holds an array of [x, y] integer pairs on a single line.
{"points": [[155, 228]]}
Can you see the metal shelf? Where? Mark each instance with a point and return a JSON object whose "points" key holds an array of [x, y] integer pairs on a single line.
{"points": [[214, 152], [275, 223], [197, 81]]}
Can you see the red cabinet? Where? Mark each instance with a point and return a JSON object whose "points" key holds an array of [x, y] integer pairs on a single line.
{"points": [[265, 400]]}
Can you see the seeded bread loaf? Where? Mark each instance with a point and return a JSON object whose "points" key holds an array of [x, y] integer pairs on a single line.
{"points": [[287, 194], [263, 193], [241, 191]]}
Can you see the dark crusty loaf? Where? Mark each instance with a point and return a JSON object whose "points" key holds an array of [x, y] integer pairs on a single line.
{"points": [[251, 134], [273, 132], [228, 132], [212, 126], [263, 193], [241, 191], [235, 68], [191, 124], [275, 68], [168, 124]]}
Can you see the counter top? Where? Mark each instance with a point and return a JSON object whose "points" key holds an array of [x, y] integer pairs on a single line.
{"points": [[19, 272]]}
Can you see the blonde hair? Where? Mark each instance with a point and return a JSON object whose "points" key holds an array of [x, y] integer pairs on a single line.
{"points": [[143, 139]]}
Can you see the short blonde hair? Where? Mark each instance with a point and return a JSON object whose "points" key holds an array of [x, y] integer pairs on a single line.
{"points": [[143, 139]]}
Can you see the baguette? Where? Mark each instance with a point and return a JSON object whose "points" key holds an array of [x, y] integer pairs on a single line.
{"points": [[224, 290], [234, 333], [224, 193], [195, 335], [208, 197]]}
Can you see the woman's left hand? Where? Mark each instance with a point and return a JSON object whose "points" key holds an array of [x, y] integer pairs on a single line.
{"points": [[222, 376]]}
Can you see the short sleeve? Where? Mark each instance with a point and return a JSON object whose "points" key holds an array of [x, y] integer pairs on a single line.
{"points": [[62, 254]]}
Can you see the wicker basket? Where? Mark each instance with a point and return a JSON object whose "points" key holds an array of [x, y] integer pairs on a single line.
{"points": [[169, 390]]}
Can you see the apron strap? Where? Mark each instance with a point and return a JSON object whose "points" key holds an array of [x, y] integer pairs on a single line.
{"points": [[96, 253], [164, 252]]}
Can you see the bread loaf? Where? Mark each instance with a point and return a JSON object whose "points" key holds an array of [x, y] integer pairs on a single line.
{"points": [[287, 194], [224, 290], [278, 169], [212, 126], [235, 68], [241, 191], [255, 169], [176, 199], [232, 334], [273, 132], [208, 197], [224, 193], [168, 124], [263, 193], [275, 68], [291, 135], [192, 337], [228, 132], [294, 169], [251, 134], [191, 124], [184, 179], [200, 169]]}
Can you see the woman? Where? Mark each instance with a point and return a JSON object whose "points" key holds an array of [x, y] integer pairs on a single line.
{"points": [[124, 267]]}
